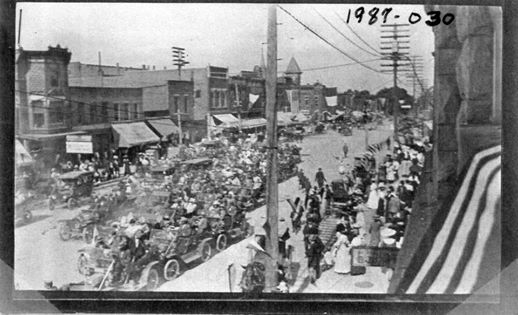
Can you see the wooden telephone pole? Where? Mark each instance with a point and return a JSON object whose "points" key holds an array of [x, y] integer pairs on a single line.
{"points": [[270, 226], [397, 53]]}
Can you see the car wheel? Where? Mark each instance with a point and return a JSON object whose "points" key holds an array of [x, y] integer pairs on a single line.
{"points": [[64, 232], [153, 279], [171, 269], [221, 242], [206, 251]]}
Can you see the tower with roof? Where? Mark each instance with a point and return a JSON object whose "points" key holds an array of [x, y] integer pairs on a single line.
{"points": [[293, 71]]}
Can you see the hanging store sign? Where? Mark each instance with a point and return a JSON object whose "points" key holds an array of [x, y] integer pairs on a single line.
{"points": [[79, 147], [79, 138], [374, 256]]}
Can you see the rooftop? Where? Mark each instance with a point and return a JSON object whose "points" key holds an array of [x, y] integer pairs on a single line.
{"points": [[293, 67]]}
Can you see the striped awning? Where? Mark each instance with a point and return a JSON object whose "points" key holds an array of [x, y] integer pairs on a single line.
{"points": [[460, 252], [164, 127], [253, 123], [133, 134], [22, 156]]}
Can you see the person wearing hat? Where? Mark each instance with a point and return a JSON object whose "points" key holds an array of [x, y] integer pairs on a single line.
{"points": [[393, 204], [320, 178], [314, 252]]}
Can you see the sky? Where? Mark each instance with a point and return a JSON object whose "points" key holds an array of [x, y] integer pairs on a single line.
{"points": [[227, 35]]}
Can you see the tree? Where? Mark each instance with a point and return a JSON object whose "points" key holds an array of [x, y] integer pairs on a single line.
{"points": [[401, 94]]}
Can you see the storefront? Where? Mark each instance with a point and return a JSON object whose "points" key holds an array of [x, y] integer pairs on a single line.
{"points": [[131, 138], [47, 150]]}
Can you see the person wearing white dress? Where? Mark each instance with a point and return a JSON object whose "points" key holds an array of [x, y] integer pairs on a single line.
{"points": [[342, 254], [372, 201]]}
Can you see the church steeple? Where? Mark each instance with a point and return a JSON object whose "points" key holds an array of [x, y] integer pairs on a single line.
{"points": [[293, 71]]}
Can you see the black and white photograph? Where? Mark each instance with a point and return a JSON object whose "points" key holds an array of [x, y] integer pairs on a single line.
{"points": [[258, 148]]}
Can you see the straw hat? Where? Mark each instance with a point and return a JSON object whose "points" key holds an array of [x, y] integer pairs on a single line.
{"points": [[386, 233], [389, 241]]}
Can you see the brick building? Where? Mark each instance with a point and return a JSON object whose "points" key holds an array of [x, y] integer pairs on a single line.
{"points": [[42, 112]]}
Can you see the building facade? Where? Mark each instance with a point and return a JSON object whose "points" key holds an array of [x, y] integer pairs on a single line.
{"points": [[42, 110]]}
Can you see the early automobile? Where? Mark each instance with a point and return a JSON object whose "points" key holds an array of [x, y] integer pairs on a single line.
{"points": [[98, 266], [228, 230], [196, 164], [73, 186], [178, 249], [81, 226], [160, 171]]}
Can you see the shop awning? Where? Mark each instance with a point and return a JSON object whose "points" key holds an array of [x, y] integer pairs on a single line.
{"points": [[253, 123], [133, 134], [45, 136], [164, 127], [227, 120], [285, 119], [22, 155]]}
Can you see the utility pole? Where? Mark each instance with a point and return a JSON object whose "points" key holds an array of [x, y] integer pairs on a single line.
{"points": [[19, 28], [397, 53], [414, 76], [238, 105], [270, 226], [179, 59]]}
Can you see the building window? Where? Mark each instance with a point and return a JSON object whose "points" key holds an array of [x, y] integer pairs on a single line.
{"points": [[56, 113], [54, 76], [93, 117], [215, 103], [38, 120], [80, 113], [222, 100], [124, 111], [198, 93], [186, 103], [104, 112], [135, 111], [115, 112], [38, 114], [175, 103]]}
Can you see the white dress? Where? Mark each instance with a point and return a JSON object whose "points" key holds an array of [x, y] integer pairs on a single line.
{"points": [[373, 200], [343, 256]]}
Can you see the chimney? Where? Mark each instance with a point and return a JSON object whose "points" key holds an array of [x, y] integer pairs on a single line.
{"points": [[118, 73], [143, 67], [153, 67]]}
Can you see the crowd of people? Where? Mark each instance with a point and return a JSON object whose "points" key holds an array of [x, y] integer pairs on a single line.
{"points": [[224, 189], [375, 211]]}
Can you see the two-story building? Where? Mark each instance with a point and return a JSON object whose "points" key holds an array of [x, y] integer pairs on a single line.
{"points": [[43, 114]]}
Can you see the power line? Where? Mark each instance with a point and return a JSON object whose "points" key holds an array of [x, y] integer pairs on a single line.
{"points": [[326, 41], [343, 35], [340, 65], [359, 37]]}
